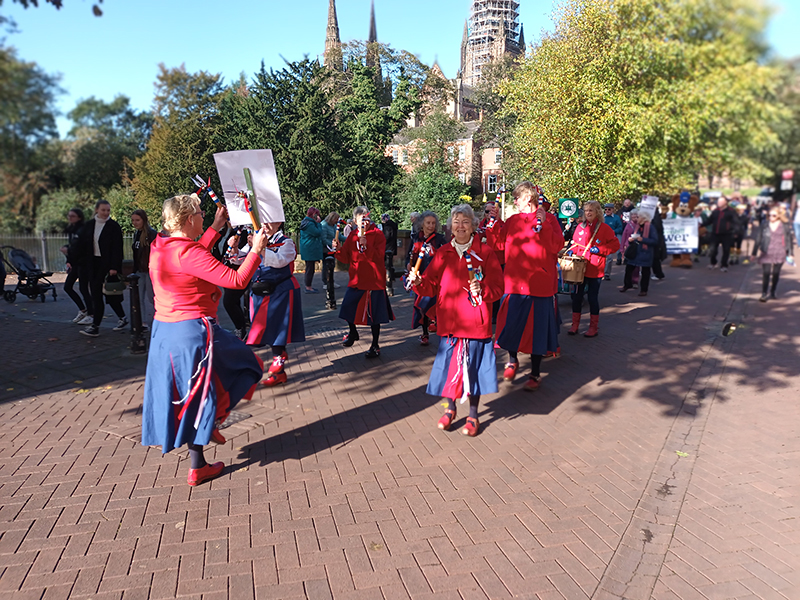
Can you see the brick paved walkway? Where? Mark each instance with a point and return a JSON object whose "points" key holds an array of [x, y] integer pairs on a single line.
{"points": [[659, 460]]}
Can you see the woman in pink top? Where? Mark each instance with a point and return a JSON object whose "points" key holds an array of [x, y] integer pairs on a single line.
{"points": [[196, 371]]}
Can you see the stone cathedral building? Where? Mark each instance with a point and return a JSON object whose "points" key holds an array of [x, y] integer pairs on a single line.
{"points": [[491, 31]]}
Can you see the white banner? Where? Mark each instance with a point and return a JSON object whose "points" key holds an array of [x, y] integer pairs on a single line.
{"points": [[681, 235], [649, 206]]}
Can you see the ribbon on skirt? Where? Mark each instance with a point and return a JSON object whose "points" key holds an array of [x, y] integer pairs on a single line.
{"points": [[201, 376]]}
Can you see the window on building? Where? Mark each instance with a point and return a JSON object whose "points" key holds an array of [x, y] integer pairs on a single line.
{"points": [[451, 153], [462, 152], [405, 156], [462, 177], [498, 157], [394, 156], [491, 183]]}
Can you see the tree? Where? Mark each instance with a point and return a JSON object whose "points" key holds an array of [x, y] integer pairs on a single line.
{"points": [[186, 117], [627, 96], [96, 10], [434, 140], [432, 188], [104, 138], [51, 217]]}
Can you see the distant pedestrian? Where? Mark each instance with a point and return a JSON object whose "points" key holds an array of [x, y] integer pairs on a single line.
{"points": [[311, 245], [645, 240], [773, 244], [77, 268], [660, 251], [329, 262], [721, 224], [142, 238], [390, 233], [630, 228], [615, 222], [101, 244]]}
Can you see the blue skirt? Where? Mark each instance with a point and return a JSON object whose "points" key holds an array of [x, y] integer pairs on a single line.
{"points": [[447, 376], [277, 319], [424, 306], [178, 379], [528, 324], [366, 307]]}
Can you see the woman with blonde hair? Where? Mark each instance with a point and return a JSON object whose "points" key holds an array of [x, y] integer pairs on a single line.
{"points": [[645, 239], [196, 371], [595, 241]]}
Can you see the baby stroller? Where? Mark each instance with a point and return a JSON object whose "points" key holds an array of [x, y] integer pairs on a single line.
{"points": [[31, 281]]}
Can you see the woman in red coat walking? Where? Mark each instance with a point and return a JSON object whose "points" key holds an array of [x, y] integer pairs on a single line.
{"points": [[366, 301], [527, 320], [465, 278], [595, 241]]}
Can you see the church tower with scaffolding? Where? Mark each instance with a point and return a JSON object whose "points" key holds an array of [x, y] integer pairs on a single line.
{"points": [[492, 30]]}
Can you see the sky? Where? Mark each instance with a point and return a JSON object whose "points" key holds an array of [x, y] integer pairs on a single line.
{"points": [[119, 52]]}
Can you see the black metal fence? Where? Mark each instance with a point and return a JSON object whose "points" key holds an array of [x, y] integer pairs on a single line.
{"points": [[45, 249]]}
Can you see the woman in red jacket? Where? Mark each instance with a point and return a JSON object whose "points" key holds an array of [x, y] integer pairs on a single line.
{"points": [[196, 371], [366, 301], [527, 321], [595, 241], [465, 365]]}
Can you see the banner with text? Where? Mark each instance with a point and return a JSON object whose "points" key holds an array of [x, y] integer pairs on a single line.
{"points": [[681, 235]]}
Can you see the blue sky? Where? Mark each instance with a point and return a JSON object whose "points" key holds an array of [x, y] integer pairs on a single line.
{"points": [[118, 53]]}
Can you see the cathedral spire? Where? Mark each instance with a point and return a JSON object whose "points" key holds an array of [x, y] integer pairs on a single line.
{"points": [[373, 31], [521, 42], [333, 43], [464, 42]]}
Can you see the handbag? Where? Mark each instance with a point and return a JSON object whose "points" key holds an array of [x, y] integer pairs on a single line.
{"points": [[113, 288], [632, 250], [573, 268]]}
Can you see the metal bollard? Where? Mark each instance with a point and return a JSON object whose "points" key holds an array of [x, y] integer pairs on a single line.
{"points": [[138, 340]]}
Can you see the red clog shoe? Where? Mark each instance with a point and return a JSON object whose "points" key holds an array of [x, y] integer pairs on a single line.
{"points": [[432, 327], [447, 419], [555, 354], [471, 428], [532, 384], [424, 340], [510, 371], [274, 379], [278, 362], [217, 437], [203, 474]]}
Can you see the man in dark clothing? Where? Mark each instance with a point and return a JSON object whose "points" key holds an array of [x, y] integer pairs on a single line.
{"points": [[625, 212], [390, 233], [721, 225], [659, 253], [615, 222]]}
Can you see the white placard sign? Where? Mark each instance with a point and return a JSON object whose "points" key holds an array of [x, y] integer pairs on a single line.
{"points": [[231, 165], [681, 235], [649, 205]]}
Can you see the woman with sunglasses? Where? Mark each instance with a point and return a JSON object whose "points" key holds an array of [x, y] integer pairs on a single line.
{"points": [[774, 243]]}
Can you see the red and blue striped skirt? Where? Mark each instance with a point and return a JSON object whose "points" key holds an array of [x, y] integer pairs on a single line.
{"points": [[528, 324], [463, 365], [277, 319], [366, 307]]}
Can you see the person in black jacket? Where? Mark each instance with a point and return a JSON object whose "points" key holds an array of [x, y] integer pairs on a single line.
{"points": [[390, 233], [773, 243], [721, 225], [660, 252], [77, 270], [142, 238], [100, 244]]}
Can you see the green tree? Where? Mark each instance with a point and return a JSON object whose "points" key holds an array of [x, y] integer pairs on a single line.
{"points": [[186, 117], [434, 141], [431, 188], [627, 96], [52, 214], [104, 138]]}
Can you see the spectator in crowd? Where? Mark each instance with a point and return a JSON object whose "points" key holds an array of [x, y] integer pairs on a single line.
{"points": [[660, 252], [390, 233], [625, 211], [615, 222], [329, 262], [773, 245], [311, 245], [142, 238], [100, 244], [77, 269], [645, 239], [721, 224]]}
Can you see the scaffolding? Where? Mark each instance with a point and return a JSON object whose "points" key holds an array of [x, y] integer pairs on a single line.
{"points": [[492, 30]]}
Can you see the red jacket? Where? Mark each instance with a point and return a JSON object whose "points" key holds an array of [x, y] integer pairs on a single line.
{"points": [[186, 277], [367, 269], [501, 256], [605, 240], [447, 276], [531, 258]]}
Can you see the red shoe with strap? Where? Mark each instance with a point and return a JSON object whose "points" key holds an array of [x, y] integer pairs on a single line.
{"points": [[217, 437], [432, 327], [555, 354], [471, 428], [510, 371], [275, 379], [424, 340], [278, 362], [203, 474], [447, 419]]}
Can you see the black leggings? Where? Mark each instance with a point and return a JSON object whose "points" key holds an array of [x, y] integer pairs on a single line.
{"points": [[644, 277], [328, 269], [311, 266], [79, 274], [775, 271], [96, 289], [232, 301], [592, 286]]}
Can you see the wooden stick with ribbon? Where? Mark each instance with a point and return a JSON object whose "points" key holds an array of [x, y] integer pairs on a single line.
{"points": [[474, 299], [425, 250], [205, 187], [538, 226]]}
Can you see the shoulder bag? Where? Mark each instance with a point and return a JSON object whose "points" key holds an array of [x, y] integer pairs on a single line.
{"points": [[573, 268]]}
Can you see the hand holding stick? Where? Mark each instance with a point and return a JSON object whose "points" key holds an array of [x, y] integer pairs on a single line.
{"points": [[539, 221], [362, 232], [413, 275], [474, 291]]}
